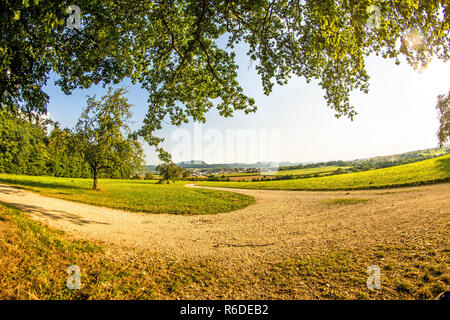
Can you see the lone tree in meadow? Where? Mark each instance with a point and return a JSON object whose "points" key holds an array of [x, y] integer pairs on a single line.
{"points": [[169, 171], [183, 52], [104, 138]]}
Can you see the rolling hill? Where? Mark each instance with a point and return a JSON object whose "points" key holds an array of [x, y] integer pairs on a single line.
{"points": [[418, 173]]}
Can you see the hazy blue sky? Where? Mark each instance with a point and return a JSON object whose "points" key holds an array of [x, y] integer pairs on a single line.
{"points": [[398, 115]]}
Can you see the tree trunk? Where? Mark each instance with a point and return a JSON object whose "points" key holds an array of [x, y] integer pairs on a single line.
{"points": [[95, 179]]}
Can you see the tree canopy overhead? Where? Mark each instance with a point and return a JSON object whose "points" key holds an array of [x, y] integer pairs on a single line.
{"points": [[173, 49]]}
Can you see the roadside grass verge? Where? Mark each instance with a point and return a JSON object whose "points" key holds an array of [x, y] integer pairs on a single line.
{"points": [[413, 174], [133, 195], [34, 259]]}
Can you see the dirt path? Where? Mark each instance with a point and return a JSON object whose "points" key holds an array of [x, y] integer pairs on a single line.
{"points": [[281, 224]]}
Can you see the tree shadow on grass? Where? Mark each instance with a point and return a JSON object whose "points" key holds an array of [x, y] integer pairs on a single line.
{"points": [[7, 189], [53, 214], [40, 184]]}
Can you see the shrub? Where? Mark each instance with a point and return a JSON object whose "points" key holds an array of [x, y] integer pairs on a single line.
{"points": [[148, 176]]}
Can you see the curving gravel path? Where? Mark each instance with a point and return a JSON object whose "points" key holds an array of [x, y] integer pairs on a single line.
{"points": [[280, 224]]}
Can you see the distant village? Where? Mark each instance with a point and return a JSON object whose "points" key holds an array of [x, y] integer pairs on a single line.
{"points": [[204, 172]]}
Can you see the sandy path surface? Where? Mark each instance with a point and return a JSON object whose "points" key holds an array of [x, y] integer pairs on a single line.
{"points": [[279, 225]]}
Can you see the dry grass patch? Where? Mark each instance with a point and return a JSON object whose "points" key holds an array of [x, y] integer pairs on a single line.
{"points": [[407, 272], [345, 201], [322, 253], [34, 259]]}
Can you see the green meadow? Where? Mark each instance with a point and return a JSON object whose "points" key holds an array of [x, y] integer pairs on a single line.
{"points": [[417, 173], [133, 195], [287, 172], [34, 259], [309, 170]]}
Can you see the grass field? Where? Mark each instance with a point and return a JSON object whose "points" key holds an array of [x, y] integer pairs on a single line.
{"points": [[133, 195], [287, 172], [298, 172], [418, 173], [34, 259]]}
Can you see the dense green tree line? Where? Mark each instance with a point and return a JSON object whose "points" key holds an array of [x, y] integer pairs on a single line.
{"points": [[101, 145], [23, 146], [27, 148], [65, 159]]}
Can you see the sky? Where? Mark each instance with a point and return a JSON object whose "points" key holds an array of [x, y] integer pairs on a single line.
{"points": [[294, 123]]}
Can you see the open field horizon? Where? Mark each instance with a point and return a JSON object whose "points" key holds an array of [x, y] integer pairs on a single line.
{"points": [[417, 173], [203, 242], [151, 197]]}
